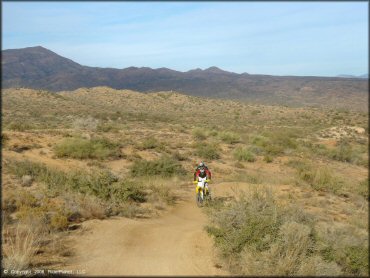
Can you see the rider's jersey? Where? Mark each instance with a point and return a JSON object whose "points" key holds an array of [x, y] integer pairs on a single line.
{"points": [[205, 169], [206, 173]]}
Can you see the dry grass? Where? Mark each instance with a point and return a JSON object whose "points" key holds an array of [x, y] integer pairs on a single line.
{"points": [[20, 246], [108, 184], [257, 236]]}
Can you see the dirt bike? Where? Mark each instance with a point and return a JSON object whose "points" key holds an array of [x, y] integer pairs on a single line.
{"points": [[202, 192]]}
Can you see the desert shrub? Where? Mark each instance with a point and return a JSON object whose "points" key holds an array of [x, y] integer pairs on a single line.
{"points": [[128, 190], [164, 166], [342, 245], [320, 178], [363, 188], [345, 152], [199, 133], [19, 126], [229, 137], [86, 149], [355, 261], [88, 123], [256, 236], [58, 221], [179, 156], [107, 127], [243, 154], [25, 167], [208, 151], [260, 141], [15, 200], [285, 255], [130, 210], [276, 143], [162, 193], [39, 172], [19, 248], [83, 206], [151, 143], [98, 184], [267, 158]]}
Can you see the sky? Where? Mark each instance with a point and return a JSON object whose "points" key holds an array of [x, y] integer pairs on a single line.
{"points": [[277, 38]]}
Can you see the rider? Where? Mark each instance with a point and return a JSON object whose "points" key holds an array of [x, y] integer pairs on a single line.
{"points": [[202, 171], [202, 164]]}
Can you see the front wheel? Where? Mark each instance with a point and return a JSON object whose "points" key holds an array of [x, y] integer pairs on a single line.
{"points": [[199, 199]]}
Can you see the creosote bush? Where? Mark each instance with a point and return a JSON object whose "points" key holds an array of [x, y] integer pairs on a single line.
{"points": [[244, 154], [86, 149], [208, 151], [256, 236], [165, 166], [319, 178], [229, 137]]}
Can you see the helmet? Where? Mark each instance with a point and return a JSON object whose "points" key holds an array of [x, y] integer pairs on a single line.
{"points": [[201, 164]]}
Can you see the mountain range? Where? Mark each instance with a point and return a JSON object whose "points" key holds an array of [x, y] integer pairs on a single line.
{"points": [[40, 68]]}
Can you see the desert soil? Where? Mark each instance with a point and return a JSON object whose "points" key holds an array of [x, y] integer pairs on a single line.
{"points": [[173, 244]]}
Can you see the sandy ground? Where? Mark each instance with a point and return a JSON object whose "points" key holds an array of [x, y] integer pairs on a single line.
{"points": [[173, 244]]}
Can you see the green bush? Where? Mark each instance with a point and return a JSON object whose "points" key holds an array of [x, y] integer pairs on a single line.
{"points": [[256, 236], [86, 149], [229, 137], [345, 153], [128, 190], [165, 166], [243, 154], [208, 151], [276, 143], [260, 141], [150, 143], [319, 178], [356, 260]]}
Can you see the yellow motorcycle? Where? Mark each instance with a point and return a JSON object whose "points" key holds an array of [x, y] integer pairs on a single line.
{"points": [[202, 191]]}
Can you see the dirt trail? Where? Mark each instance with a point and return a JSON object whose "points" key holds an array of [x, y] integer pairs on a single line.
{"points": [[173, 244]]}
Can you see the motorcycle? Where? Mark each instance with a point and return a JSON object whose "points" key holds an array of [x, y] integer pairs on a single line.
{"points": [[202, 191]]}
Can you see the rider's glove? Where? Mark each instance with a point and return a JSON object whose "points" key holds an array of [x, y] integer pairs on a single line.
{"points": [[195, 182]]}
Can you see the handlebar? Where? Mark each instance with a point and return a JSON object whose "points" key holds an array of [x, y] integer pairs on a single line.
{"points": [[195, 182]]}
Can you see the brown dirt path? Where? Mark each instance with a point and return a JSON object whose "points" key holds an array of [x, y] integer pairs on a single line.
{"points": [[173, 244]]}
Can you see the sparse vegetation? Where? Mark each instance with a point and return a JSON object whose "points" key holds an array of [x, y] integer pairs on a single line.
{"points": [[86, 149], [125, 152], [243, 154], [199, 134], [229, 137], [319, 178], [164, 166], [209, 151], [256, 236]]}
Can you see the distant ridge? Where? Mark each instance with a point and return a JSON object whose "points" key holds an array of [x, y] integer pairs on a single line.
{"points": [[353, 76], [40, 68]]}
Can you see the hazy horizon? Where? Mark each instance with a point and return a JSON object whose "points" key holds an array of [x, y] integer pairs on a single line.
{"points": [[279, 38]]}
